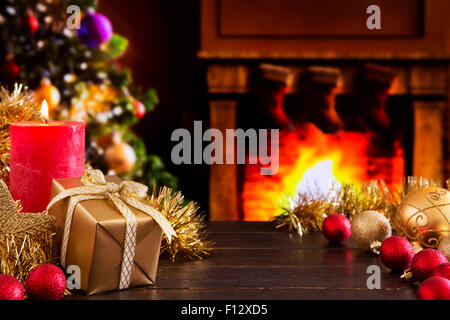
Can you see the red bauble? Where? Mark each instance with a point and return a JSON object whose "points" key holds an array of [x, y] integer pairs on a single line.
{"points": [[29, 23], [45, 282], [424, 263], [336, 228], [10, 288], [396, 253], [434, 288], [10, 70], [442, 270], [139, 109]]}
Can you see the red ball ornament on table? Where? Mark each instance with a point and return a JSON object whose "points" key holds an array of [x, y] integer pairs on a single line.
{"points": [[434, 288], [442, 270], [396, 253], [424, 263], [336, 228], [10, 288], [45, 282]]}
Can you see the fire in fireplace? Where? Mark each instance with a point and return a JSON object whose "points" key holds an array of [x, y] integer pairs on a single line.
{"points": [[370, 125], [313, 163], [321, 141]]}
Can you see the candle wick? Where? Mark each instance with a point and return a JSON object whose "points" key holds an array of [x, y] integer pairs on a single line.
{"points": [[46, 121]]}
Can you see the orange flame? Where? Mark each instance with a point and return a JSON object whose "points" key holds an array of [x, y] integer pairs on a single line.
{"points": [[44, 110], [310, 165]]}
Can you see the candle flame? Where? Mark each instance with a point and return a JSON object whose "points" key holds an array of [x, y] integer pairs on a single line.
{"points": [[44, 110]]}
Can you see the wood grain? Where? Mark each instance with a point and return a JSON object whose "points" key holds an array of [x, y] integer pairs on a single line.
{"points": [[253, 260]]}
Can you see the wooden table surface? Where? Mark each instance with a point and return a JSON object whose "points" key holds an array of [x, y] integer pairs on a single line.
{"points": [[253, 260]]}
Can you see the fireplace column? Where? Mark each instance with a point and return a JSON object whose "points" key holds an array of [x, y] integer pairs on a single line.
{"points": [[228, 80], [223, 192], [425, 81]]}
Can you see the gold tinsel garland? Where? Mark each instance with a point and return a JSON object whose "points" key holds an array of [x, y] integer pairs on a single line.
{"points": [[18, 105], [189, 225], [310, 208], [26, 239]]}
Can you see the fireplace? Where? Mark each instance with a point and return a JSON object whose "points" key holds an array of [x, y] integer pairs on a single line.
{"points": [[347, 111]]}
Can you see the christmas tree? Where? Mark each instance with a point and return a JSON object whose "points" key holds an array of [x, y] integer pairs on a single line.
{"points": [[67, 54]]}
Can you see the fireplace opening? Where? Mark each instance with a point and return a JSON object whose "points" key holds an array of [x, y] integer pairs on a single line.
{"points": [[325, 137]]}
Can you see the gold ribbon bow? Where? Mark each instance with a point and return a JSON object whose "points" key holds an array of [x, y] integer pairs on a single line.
{"points": [[127, 193]]}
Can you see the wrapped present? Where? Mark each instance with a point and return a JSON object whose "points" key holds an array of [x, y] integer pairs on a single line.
{"points": [[106, 228]]}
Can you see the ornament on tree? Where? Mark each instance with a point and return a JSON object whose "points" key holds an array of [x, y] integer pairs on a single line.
{"points": [[396, 253], [49, 93], [10, 70], [423, 264], [435, 288], [369, 229], [95, 29], [336, 228], [93, 100], [442, 270], [45, 282], [120, 157], [424, 216], [444, 247], [139, 109], [29, 23], [10, 288]]}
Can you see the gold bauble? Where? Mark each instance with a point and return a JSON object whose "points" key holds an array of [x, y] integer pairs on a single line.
{"points": [[369, 229], [444, 247], [120, 157], [423, 216], [49, 93]]}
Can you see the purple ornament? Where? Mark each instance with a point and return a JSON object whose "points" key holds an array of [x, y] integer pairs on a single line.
{"points": [[95, 29]]}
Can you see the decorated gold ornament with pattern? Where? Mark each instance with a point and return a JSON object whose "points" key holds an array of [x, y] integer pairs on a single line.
{"points": [[424, 216]]}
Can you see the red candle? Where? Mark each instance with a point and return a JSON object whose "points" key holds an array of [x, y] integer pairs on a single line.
{"points": [[40, 152]]}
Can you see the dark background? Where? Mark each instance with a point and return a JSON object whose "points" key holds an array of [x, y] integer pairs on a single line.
{"points": [[163, 43]]}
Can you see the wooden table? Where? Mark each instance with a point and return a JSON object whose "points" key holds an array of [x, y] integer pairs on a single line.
{"points": [[253, 260]]}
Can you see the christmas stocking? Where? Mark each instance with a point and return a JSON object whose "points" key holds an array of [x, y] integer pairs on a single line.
{"points": [[371, 94], [270, 89], [318, 89]]}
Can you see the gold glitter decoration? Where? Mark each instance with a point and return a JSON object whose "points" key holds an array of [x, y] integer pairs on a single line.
{"points": [[188, 224], [444, 247], [369, 229], [310, 208], [424, 216], [25, 238], [15, 106]]}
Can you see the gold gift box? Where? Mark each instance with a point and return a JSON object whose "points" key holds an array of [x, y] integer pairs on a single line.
{"points": [[97, 237]]}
